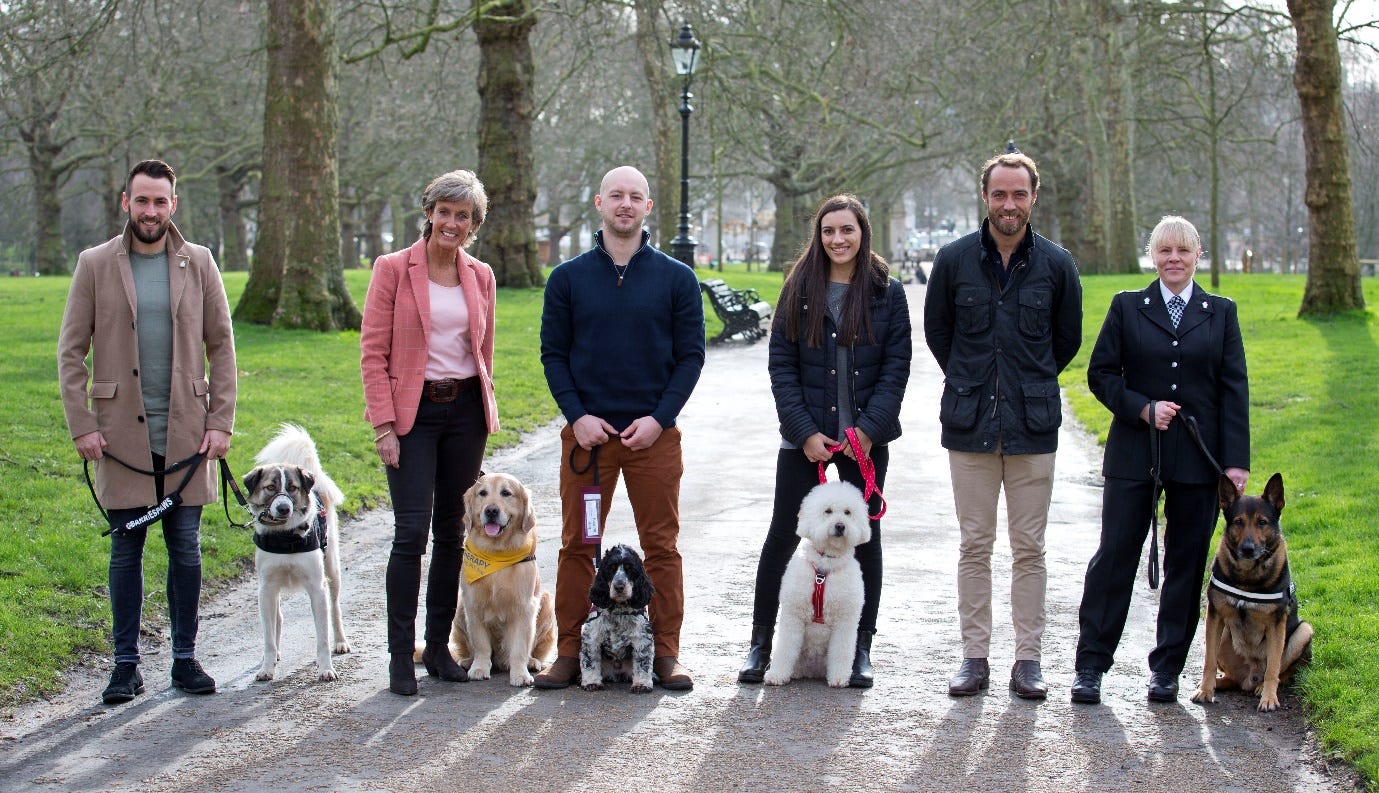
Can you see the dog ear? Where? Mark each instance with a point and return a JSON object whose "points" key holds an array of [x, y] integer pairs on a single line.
{"points": [[471, 502], [1226, 492], [599, 596], [1273, 491], [308, 478], [642, 590], [252, 479], [524, 500]]}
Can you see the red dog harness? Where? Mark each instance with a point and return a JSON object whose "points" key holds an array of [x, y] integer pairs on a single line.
{"points": [[868, 469], [820, 579]]}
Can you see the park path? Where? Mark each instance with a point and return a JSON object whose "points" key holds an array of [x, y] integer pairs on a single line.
{"points": [[295, 734]]}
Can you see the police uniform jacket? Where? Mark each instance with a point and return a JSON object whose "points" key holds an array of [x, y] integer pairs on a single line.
{"points": [[1001, 348], [1139, 356]]}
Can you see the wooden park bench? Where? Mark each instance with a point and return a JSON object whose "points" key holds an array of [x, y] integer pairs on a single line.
{"points": [[741, 311]]}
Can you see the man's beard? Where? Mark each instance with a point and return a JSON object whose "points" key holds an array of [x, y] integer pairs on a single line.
{"points": [[142, 236]]}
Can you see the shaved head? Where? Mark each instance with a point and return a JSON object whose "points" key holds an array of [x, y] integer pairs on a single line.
{"points": [[622, 174]]}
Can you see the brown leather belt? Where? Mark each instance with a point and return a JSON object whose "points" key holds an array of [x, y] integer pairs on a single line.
{"points": [[442, 391]]}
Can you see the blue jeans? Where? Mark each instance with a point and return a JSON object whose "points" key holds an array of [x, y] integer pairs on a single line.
{"points": [[182, 535]]}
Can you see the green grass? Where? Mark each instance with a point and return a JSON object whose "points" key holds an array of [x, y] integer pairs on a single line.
{"points": [[53, 596], [1314, 416]]}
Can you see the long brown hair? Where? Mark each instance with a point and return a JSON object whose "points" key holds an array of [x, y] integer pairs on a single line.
{"points": [[807, 282]]}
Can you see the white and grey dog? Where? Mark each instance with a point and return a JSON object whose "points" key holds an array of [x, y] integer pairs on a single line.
{"points": [[616, 643], [821, 591], [293, 505]]}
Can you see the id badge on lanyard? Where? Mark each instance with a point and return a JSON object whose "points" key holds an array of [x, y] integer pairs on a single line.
{"points": [[592, 496]]}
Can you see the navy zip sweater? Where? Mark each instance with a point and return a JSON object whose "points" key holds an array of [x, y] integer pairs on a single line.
{"points": [[622, 352]]}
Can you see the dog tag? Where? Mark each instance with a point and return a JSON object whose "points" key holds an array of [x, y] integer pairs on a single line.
{"points": [[593, 508]]}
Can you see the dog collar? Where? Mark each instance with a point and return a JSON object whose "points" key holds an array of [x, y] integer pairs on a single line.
{"points": [[477, 563], [314, 539]]}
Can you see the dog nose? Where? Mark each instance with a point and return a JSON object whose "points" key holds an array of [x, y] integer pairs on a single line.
{"points": [[491, 514], [1249, 550], [839, 528]]}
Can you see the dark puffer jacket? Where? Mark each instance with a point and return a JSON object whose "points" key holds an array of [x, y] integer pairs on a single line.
{"points": [[804, 380], [1001, 349]]}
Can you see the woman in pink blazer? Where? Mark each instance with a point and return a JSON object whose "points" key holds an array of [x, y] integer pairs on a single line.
{"points": [[427, 363]]}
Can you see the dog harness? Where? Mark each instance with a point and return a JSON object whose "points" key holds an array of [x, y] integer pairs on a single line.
{"points": [[865, 465], [1285, 591], [313, 539], [820, 582], [477, 563]]}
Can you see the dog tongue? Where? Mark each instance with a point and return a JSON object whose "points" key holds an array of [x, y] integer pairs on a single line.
{"points": [[492, 529]]}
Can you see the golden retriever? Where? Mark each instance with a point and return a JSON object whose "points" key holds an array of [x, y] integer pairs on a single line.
{"points": [[505, 619]]}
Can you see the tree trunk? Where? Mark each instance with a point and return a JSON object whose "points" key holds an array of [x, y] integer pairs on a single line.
{"points": [[49, 258], [1333, 273], [507, 240], [349, 229], [296, 280], [372, 230], [234, 234], [662, 87], [788, 240]]}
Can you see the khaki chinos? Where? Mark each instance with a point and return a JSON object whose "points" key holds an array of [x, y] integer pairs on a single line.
{"points": [[1028, 483]]}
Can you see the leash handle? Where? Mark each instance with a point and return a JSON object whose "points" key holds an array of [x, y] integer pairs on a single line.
{"points": [[167, 502], [1155, 463], [864, 464], [228, 479]]}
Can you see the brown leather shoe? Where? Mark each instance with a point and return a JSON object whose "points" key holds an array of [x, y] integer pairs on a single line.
{"points": [[559, 674], [1026, 680], [671, 675], [973, 677]]}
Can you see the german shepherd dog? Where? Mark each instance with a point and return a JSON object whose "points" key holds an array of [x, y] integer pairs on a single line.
{"points": [[1253, 632]]}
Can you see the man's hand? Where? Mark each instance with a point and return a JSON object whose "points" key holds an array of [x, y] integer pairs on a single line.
{"points": [[591, 431], [90, 446], [641, 434], [1164, 412], [215, 444]]}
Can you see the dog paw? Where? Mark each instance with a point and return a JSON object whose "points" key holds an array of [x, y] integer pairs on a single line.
{"points": [[1268, 703], [640, 688], [775, 680], [1203, 696], [477, 672], [523, 678], [341, 647], [264, 674], [326, 676], [591, 686], [839, 682]]}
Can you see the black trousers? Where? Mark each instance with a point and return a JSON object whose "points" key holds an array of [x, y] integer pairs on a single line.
{"points": [[439, 460], [795, 477], [1189, 514]]}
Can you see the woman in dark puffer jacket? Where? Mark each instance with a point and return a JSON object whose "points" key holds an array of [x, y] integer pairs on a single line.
{"points": [[839, 312]]}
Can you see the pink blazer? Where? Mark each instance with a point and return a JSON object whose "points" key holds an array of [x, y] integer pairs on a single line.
{"points": [[396, 328]]}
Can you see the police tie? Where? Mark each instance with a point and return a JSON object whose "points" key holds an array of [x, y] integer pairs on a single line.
{"points": [[1175, 309]]}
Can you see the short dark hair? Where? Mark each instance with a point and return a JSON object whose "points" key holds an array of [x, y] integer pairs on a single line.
{"points": [[1016, 159], [156, 169]]}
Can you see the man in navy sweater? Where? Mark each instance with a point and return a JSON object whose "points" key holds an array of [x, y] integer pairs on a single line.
{"points": [[622, 343]]}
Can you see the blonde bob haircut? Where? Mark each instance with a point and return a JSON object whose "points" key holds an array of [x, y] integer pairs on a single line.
{"points": [[456, 187], [1174, 230]]}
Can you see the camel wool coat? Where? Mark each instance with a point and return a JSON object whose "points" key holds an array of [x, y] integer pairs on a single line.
{"points": [[100, 319]]}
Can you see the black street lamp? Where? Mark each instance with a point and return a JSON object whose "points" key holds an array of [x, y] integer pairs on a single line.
{"points": [[684, 50]]}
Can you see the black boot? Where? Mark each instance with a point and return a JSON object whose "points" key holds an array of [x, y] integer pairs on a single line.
{"points": [[438, 662], [402, 674], [861, 663], [758, 655]]}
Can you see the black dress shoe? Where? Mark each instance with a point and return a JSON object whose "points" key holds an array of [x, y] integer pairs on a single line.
{"points": [[1026, 680], [973, 676], [1163, 687], [1087, 687]]}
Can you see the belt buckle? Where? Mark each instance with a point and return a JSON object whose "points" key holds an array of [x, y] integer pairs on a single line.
{"points": [[443, 391]]}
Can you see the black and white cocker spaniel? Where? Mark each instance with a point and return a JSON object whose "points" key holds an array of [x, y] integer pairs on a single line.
{"points": [[616, 642]]}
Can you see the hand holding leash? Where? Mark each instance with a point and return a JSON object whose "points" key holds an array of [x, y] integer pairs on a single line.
{"points": [[214, 444], [90, 446], [864, 463]]}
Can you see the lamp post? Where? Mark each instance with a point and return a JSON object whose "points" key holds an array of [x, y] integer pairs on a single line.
{"points": [[684, 50]]}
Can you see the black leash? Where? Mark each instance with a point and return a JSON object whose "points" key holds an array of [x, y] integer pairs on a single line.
{"points": [[173, 499], [1155, 464], [161, 508], [1196, 434], [592, 502]]}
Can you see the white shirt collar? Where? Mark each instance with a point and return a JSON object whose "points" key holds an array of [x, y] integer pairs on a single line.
{"points": [[1167, 293]]}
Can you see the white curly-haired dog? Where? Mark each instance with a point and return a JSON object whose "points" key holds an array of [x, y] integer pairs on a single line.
{"points": [[821, 591]]}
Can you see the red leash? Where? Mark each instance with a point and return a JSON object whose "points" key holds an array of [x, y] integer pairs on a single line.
{"points": [[867, 467]]}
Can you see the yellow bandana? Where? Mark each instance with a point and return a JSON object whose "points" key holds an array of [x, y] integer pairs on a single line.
{"points": [[478, 564]]}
